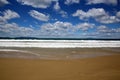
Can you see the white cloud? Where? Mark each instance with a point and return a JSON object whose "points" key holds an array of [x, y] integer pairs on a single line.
{"points": [[84, 26], [57, 6], [3, 2], [118, 14], [12, 29], [99, 14], [7, 15], [108, 2], [104, 32], [57, 28], [105, 29], [2, 20], [90, 13], [108, 19], [64, 28], [59, 10], [37, 3], [68, 2], [38, 15], [49, 29], [63, 13], [81, 14]]}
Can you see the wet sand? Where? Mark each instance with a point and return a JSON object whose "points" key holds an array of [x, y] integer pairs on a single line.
{"points": [[105, 67], [56, 53]]}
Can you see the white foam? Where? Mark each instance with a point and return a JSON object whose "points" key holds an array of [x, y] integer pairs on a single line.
{"points": [[9, 50], [22, 51], [59, 43]]}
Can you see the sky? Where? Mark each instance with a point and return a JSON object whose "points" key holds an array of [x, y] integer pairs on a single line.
{"points": [[60, 18]]}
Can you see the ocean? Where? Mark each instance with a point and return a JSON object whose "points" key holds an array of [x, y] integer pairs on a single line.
{"points": [[58, 43]]}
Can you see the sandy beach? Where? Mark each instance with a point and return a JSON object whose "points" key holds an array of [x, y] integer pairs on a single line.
{"points": [[105, 67], [59, 39]]}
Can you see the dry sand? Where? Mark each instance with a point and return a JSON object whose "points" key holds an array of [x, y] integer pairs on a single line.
{"points": [[95, 68]]}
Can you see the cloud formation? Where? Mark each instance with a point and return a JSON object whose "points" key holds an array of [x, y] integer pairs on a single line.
{"points": [[108, 2], [58, 29], [58, 9], [118, 14], [7, 15], [105, 29], [38, 15], [84, 26], [56, 18], [37, 3], [57, 6], [69, 2], [99, 14], [14, 30], [3, 2]]}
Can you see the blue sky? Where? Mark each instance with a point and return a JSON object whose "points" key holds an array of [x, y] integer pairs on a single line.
{"points": [[60, 18]]}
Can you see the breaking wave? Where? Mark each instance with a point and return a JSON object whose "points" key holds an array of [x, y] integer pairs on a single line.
{"points": [[59, 43]]}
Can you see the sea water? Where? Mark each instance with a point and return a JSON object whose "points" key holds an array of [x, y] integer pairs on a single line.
{"points": [[59, 43]]}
